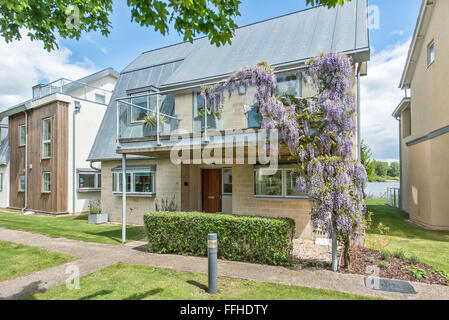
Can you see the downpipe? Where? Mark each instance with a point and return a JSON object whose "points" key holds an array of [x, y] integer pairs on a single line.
{"points": [[76, 110]]}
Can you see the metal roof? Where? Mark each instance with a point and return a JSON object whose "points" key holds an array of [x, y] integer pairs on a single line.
{"points": [[289, 40]]}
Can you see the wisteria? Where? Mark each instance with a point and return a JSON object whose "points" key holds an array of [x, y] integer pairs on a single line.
{"points": [[319, 132]]}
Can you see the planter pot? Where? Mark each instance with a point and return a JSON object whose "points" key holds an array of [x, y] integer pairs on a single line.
{"points": [[98, 218], [149, 131]]}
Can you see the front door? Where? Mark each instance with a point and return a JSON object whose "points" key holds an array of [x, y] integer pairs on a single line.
{"points": [[211, 185]]}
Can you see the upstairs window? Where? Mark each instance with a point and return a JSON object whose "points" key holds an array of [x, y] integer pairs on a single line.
{"points": [[289, 84], [100, 98], [22, 135], [431, 53], [46, 138], [213, 122]]}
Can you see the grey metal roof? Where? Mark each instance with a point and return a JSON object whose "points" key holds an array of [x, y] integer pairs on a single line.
{"points": [[4, 151], [287, 40]]}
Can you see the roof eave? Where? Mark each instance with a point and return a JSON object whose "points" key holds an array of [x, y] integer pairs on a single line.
{"points": [[404, 104]]}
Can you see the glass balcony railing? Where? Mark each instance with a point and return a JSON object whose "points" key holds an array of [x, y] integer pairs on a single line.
{"points": [[146, 116], [73, 88]]}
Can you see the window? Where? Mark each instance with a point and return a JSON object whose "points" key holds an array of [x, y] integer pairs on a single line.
{"points": [[227, 181], [142, 105], [46, 182], [22, 183], [282, 184], [289, 84], [431, 53], [138, 181], [213, 122], [22, 135], [100, 98], [46, 138], [254, 117], [1, 181], [89, 180]]}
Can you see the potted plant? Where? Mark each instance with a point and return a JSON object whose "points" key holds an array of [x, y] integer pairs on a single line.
{"points": [[150, 124], [95, 214]]}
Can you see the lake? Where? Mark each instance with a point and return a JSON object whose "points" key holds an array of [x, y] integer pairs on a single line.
{"points": [[379, 189]]}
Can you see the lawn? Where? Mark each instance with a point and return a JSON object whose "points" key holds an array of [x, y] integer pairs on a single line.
{"points": [[133, 282], [431, 247], [70, 227], [17, 260]]}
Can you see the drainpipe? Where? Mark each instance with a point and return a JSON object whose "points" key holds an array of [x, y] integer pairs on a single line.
{"points": [[76, 110], [400, 165], [26, 162], [359, 138], [124, 198], [92, 166]]}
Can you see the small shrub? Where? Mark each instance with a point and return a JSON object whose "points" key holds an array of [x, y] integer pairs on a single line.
{"points": [[441, 273], [416, 272], [414, 259], [400, 254], [383, 264], [385, 255], [94, 207], [240, 238]]}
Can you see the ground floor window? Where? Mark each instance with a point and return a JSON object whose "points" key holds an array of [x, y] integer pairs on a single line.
{"points": [[22, 183], [227, 181], [138, 180], [281, 184], [46, 182], [89, 180]]}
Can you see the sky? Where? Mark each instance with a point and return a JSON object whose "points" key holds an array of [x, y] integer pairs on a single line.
{"points": [[25, 63]]}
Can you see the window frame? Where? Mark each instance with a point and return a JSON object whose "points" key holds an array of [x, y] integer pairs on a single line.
{"points": [[132, 173], [43, 181], [48, 141], [97, 181], [20, 183], [103, 98], [299, 81], [284, 195], [196, 118], [145, 94], [223, 182], [20, 135], [430, 49]]}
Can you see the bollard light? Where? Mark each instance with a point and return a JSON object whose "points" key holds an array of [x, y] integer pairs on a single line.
{"points": [[212, 251]]}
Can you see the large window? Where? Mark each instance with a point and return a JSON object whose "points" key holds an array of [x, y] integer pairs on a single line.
{"points": [[282, 184], [46, 182], [46, 138], [22, 135], [289, 84], [89, 180], [213, 122], [22, 183], [227, 181], [139, 181], [431, 53]]}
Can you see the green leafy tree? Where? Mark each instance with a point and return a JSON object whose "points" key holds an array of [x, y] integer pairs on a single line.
{"points": [[367, 162], [44, 19], [381, 168], [394, 169]]}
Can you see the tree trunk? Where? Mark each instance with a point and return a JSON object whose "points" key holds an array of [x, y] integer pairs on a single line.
{"points": [[347, 253]]}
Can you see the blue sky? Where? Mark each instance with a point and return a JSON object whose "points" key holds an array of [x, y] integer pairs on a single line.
{"points": [[74, 59]]}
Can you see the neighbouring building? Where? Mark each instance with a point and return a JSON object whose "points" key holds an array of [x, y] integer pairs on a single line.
{"points": [[167, 81], [424, 120], [4, 166], [43, 162]]}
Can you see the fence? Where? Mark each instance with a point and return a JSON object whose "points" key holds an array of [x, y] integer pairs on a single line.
{"points": [[393, 197]]}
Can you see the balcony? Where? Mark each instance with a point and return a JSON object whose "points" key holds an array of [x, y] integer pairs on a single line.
{"points": [[73, 88]]}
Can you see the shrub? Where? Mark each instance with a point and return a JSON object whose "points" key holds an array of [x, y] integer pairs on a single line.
{"points": [[417, 273], [385, 255], [414, 259], [94, 207], [399, 254], [383, 264], [240, 238]]}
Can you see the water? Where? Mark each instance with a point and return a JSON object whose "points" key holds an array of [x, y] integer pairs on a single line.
{"points": [[379, 189]]}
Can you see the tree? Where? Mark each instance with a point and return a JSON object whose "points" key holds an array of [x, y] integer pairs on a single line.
{"points": [[381, 168], [367, 162], [319, 133], [394, 169], [44, 19]]}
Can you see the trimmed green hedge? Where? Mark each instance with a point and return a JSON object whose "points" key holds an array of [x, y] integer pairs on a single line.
{"points": [[240, 238]]}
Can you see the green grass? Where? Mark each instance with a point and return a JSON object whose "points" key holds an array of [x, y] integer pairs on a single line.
{"points": [[70, 227], [133, 282], [17, 260], [430, 247]]}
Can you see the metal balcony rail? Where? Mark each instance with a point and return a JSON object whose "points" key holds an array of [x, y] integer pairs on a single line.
{"points": [[76, 89], [393, 197]]}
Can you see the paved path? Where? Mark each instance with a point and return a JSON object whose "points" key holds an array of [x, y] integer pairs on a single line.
{"points": [[95, 256]]}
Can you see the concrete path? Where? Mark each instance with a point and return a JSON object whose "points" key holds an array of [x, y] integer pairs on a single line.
{"points": [[95, 256]]}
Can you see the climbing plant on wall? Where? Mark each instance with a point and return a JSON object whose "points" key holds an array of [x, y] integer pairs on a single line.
{"points": [[319, 132]]}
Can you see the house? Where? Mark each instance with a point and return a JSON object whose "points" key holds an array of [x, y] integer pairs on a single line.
{"points": [[43, 162], [4, 166], [424, 120], [167, 82]]}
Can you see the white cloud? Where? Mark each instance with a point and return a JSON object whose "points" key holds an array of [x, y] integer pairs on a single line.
{"points": [[380, 95], [397, 33], [24, 63]]}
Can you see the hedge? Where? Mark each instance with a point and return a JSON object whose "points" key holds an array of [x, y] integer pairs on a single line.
{"points": [[240, 238]]}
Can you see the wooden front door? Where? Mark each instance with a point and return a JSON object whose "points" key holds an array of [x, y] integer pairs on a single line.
{"points": [[211, 186]]}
